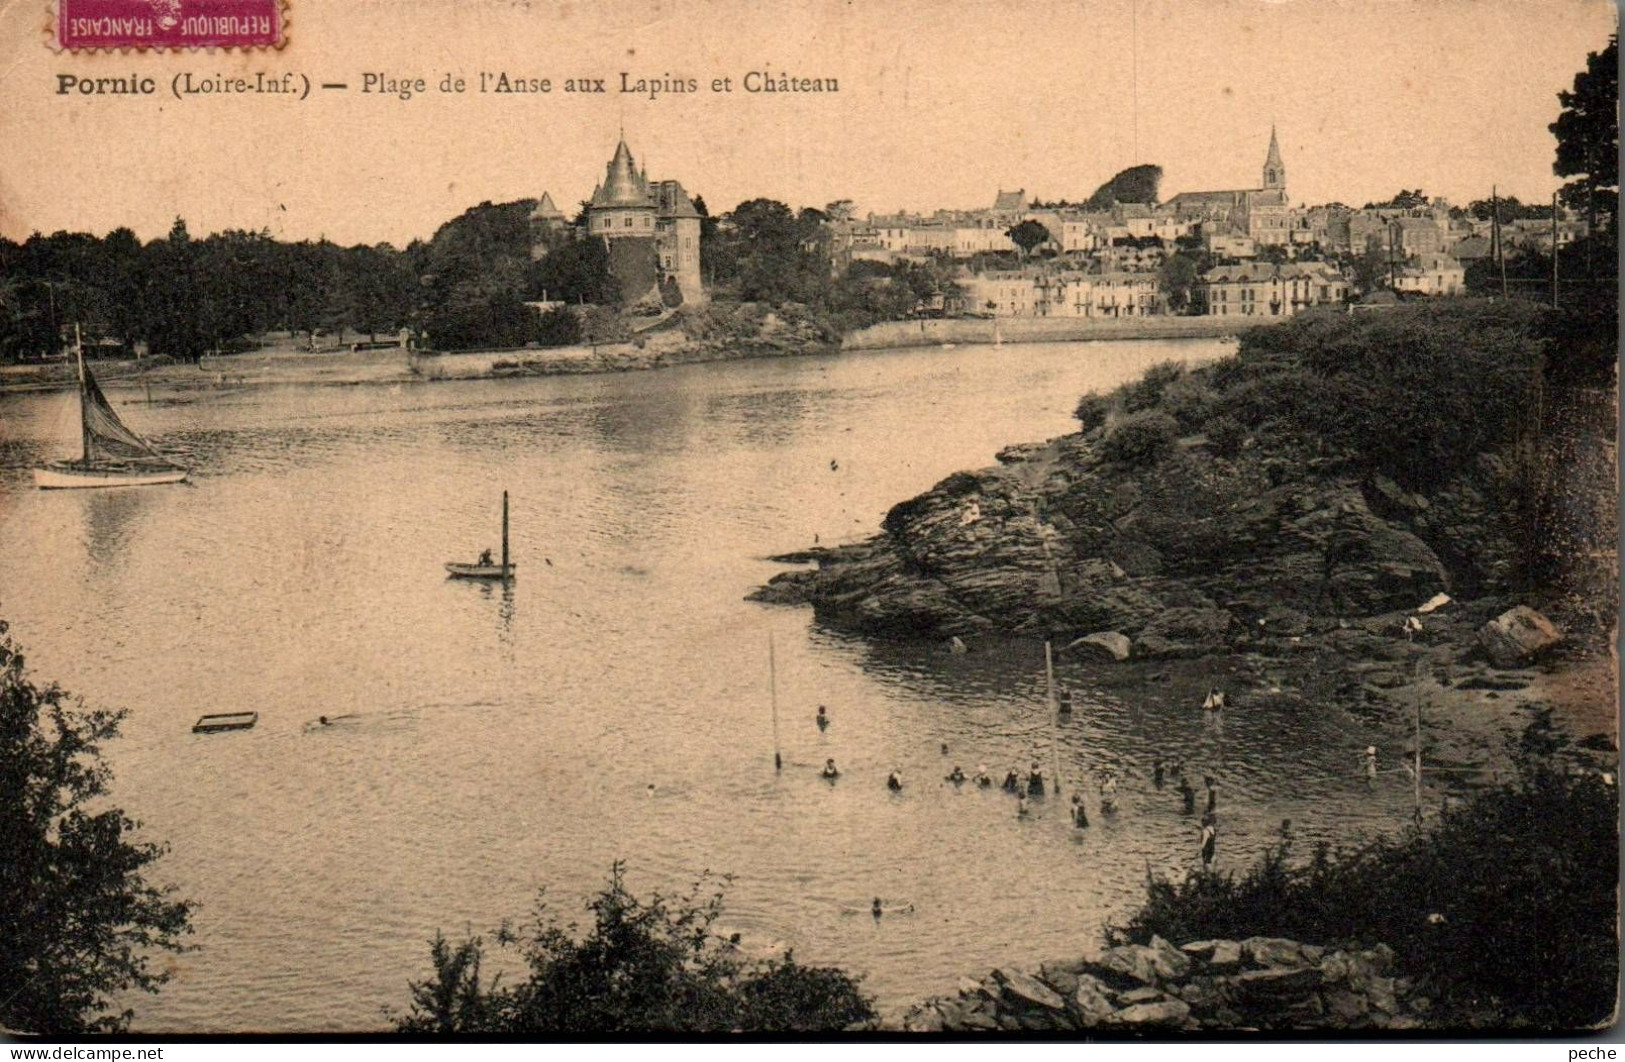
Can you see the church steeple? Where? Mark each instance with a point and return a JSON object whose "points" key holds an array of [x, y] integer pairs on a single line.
{"points": [[1274, 168]]}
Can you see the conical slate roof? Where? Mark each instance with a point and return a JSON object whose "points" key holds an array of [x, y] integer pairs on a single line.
{"points": [[545, 210], [623, 186]]}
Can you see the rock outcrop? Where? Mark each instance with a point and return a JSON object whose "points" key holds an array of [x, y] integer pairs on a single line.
{"points": [[1187, 557], [1517, 636], [1259, 983]]}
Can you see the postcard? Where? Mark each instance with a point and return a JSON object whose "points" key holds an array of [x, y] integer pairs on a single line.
{"points": [[1083, 519]]}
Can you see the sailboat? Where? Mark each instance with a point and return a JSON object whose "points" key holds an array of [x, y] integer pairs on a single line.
{"points": [[483, 568], [114, 456]]}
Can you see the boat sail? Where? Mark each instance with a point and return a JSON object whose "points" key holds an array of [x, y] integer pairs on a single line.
{"points": [[113, 455]]}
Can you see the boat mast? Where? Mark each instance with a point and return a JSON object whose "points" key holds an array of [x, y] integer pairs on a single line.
{"points": [[84, 422], [1049, 696], [504, 534]]}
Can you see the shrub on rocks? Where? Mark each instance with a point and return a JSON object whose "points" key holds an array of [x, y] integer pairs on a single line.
{"points": [[1141, 439]]}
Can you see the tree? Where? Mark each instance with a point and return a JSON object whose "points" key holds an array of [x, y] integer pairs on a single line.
{"points": [[1177, 277], [1028, 235], [1407, 199], [80, 916], [1587, 132], [1137, 184], [645, 966]]}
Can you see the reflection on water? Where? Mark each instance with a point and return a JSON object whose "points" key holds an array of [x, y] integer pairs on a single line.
{"points": [[488, 739]]}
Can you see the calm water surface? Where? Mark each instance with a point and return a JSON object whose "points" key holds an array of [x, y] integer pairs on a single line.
{"points": [[497, 741]]}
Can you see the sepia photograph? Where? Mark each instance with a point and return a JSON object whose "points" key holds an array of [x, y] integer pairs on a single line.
{"points": [[1007, 519]]}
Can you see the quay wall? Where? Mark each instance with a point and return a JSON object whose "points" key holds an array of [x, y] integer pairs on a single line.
{"points": [[929, 333]]}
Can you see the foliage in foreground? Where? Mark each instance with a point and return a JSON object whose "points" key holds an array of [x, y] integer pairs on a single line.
{"points": [[1506, 908], [79, 917], [645, 966]]}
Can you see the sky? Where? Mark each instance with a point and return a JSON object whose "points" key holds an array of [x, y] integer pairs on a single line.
{"points": [[940, 104]]}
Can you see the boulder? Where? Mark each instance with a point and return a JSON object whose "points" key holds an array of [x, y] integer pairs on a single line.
{"points": [[1345, 1009], [1025, 991], [1061, 974], [1131, 962], [1172, 964], [1164, 1014], [923, 1019], [1104, 645], [1226, 955], [1271, 987], [1517, 636], [1199, 949], [1091, 1004], [1136, 996], [1273, 951]]}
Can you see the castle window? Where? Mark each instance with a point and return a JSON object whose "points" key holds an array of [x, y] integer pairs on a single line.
{"points": [[628, 223]]}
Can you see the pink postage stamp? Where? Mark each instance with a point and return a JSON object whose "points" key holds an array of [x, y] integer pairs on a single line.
{"points": [[81, 25]]}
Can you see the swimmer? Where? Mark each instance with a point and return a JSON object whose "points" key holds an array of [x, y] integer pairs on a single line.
{"points": [[1371, 765], [322, 719], [1108, 792], [983, 780], [1080, 815], [1187, 794], [1209, 843], [1021, 805], [823, 718], [894, 781], [956, 776], [1035, 781], [1156, 774], [945, 748], [1066, 702], [1012, 782], [877, 909], [829, 770]]}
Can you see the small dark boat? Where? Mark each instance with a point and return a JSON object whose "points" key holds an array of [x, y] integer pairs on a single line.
{"points": [[213, 724], [481, 569]]}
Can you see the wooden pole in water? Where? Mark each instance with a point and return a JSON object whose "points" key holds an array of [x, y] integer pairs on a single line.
{"points": [[1049, 696], [1554, 250], [773, 696], [504, 534]]}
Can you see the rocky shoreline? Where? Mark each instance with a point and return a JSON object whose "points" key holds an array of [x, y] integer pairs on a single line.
{"points": [[1201, 987], [1308, 581]]}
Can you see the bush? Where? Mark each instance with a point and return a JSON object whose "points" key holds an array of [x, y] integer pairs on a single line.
{"points": [[1092, 411], [1146, 392], [558, 327], [646, 966], [1507, 905], [1190, 401], [1141, 439], [1226, 435], [79, 916]]}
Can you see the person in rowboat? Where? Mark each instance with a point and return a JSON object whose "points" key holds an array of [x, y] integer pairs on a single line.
{"points": [[485, 559]]}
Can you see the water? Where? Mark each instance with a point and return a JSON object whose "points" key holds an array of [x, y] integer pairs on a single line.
{"points": [[495, 741]]}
